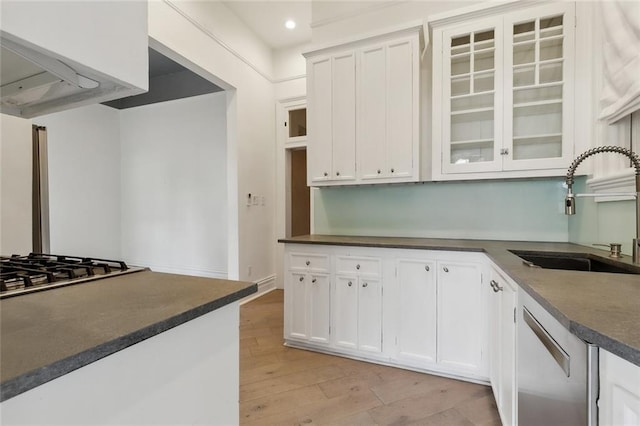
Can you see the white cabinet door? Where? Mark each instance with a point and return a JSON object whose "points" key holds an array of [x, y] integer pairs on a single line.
{"points": [[369, 314], [502, 302], [461, 329], [402, 109], [319, 111], [372, 113], [345, 312], [319, 309], [344, 117], [619, 401], [416, 326], [297, 306]]}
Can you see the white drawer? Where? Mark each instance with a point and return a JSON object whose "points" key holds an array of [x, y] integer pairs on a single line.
{"points": [[357, 265], [311, 262]]}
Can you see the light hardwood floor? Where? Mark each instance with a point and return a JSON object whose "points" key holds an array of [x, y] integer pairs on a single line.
{"points": [[286, 386]]}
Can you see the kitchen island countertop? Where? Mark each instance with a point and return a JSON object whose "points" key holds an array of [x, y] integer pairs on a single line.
{"points": [[50, 333], [600, 308]]}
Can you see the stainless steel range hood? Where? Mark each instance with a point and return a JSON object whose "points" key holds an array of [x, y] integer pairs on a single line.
{"points": [[33, 83]]}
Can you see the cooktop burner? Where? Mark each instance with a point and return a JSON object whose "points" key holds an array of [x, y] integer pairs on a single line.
{"points": [[39, 271]]}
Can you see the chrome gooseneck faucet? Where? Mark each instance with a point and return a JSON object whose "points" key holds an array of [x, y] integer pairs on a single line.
{"points": [[570, 202]]}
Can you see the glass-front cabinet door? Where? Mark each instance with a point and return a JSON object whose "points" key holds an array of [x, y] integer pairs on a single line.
{"points": [[507, 91], [471, 93], [539, 79]]}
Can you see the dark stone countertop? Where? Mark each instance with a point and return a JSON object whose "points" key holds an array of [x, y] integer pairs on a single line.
{"points": [[47, 334], [600, 308]]}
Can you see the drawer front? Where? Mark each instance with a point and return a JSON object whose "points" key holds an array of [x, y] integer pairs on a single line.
{"points": [[357, 265], [310, 262]]}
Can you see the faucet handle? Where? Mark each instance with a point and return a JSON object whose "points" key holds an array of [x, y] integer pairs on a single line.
{"points": [[615, 249]]}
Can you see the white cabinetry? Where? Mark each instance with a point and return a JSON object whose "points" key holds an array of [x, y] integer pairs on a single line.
{"points": [[363, 101], [416, 322], [619, 402], [307, 297], [502, 344], [503, 97], [461, 330], [331, 113], [357, 317]]}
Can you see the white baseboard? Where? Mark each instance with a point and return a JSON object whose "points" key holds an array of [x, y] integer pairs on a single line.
{"points": [[265, 285]]}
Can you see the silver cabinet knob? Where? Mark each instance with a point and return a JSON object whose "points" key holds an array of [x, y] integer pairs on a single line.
{"points": [[445, 269], [379, 171], [496, 287], [308, 262], [350, 284], [393, 170], [365, 284], [337, 173], [313, 280], [326, 174], [426, 268], [301, 279], [358, 266]]}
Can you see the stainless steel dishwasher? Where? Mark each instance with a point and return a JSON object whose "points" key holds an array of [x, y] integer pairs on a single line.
{"points": [[557, 372]]}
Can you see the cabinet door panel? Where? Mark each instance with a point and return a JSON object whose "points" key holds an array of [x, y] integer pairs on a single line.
{"points": [[319, 119], [298, 306], [345, 304], [401, 104], [417, 310], [372, 108], [344, 117], [369, 315], [460, 321], [507, 352], [320, 309]]}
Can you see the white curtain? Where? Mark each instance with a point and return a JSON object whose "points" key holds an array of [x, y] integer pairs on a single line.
{"points": [[621, 91]]}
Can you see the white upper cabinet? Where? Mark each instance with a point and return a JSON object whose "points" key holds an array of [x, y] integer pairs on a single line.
{"points": [[503, 98], [363, 116]]}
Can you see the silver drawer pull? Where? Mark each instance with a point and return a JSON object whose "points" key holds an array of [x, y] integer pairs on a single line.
{"points": [[365, 284], [555, 350], [495, 286], [358, 266], [307, 263], [301, 279], [426, 268], [350, 284], [445, 269]]}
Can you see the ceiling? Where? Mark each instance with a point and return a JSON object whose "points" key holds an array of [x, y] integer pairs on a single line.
{"points": [[267, 17]]}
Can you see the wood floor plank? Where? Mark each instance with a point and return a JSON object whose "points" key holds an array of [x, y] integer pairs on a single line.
{"points": [[286, 386]]}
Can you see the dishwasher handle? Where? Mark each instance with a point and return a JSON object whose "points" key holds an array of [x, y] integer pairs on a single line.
{"points": [[559, 355]]}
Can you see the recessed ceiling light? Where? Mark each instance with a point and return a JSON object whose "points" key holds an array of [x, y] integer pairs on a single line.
{"points": [[290, 24]]}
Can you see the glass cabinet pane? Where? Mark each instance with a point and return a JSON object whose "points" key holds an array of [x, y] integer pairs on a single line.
{"points": [[472, 100], [297, 122], [537, 88]]}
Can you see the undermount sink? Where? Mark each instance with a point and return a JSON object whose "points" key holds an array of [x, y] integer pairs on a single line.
{"points": [[574, 262]]}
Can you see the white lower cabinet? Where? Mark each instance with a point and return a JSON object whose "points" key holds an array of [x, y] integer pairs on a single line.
{"points": [[502, 343], [416, 321], [419, 309], [461, 330], [619, 402]]}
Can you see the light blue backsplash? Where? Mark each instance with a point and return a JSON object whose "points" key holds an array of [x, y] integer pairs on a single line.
{"points": [[611, 222], [517, 210]]}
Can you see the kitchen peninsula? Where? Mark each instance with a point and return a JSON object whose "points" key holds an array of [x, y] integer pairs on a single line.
{"points": [[146, 347]]}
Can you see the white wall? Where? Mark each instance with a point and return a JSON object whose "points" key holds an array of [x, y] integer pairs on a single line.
{"points": [[174, 178], [15, 185], [84, 181], [196, 32]]}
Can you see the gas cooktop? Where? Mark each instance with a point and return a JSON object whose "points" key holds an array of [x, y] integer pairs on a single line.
{"points": [[40, 271]]}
